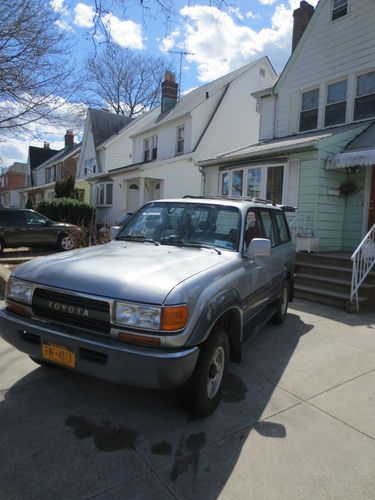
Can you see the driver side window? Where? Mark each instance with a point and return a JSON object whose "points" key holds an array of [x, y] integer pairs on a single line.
{"points": [[253, 228], [34, 219]]}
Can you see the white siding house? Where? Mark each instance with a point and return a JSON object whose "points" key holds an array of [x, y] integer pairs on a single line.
{"points": [[167, 142]]}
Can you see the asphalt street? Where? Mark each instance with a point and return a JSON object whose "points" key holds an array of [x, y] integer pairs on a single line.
{"points": [[296, 422]]}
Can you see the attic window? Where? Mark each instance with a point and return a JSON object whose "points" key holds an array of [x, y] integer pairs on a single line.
{"points": [[262, 72], [339, 9]]}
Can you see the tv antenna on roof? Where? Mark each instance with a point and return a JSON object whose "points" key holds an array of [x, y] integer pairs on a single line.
{"points": [[181, 53]]}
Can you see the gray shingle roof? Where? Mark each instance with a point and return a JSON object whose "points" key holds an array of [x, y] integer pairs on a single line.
{"points": [[105, 124], [190, 101], [366, 140], [17, 168]]}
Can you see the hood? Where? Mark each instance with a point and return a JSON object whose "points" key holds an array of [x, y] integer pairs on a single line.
{"points": [[140, 272]]}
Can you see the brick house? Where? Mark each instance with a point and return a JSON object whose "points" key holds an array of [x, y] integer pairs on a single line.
{"points": [[12, 179]]}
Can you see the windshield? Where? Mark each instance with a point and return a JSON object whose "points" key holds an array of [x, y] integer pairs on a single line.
{"points": [[185, 224]]}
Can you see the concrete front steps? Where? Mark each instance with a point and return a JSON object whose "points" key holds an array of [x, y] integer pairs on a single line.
{"points": [[326, 278]]}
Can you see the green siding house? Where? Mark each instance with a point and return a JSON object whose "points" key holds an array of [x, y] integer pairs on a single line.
{"points": [[316, 147]]}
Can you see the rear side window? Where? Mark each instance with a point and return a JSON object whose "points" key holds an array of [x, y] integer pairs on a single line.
{"points": [[282, 228], [268, 227], [11, 218]]}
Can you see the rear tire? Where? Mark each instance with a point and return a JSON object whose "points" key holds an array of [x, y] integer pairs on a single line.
{"points": [[65, 243], [201, 395], [282, 305], [2, 246]]}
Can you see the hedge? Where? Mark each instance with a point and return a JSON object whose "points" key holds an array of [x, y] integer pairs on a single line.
{"points": [[66, 210]]}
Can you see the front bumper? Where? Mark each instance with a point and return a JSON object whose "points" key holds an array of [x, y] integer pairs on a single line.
{"points": [[103, 358]]}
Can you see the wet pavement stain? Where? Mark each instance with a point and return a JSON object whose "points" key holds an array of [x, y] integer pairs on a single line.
{"points": [[162, 448], [188, 454], [234, 389], [106, 436]]}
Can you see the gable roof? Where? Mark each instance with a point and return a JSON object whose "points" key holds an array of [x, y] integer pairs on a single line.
{"points": [[105, 124], [37, 155], [193, 99], [61, 155], [294, 55], [17, 168]]}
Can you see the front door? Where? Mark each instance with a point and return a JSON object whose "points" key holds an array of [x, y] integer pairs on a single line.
{"points": [[371, 209]]}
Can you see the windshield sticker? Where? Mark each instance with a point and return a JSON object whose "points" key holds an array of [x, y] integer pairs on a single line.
{"points": [[224, 244]]}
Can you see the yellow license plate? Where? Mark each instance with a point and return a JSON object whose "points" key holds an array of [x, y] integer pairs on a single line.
{"points": [[59, 354]]}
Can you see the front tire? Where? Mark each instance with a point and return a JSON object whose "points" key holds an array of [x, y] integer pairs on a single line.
{"points": [[201, 395], [282, 305], [65, 243]]}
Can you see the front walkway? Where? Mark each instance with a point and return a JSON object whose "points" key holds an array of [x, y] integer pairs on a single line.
{"points": [[296, 422]]}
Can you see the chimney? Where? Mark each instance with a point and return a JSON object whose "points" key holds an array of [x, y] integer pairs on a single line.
{"points": [[46, 145], [69, 139], [169, 89], [301, 17]]}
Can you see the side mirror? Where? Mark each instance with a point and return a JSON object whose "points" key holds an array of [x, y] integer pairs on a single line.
{"points": [[259, 247]]}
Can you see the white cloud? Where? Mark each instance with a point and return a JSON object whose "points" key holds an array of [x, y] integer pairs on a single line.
{"points": [[236, 12], [84, 15], [63, 25], [169, 41], [219, 44], [267, 2], [58, 6], [125, 33]]}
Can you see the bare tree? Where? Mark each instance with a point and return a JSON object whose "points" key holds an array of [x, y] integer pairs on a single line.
{"points": [[35, 79], [127, 82]]}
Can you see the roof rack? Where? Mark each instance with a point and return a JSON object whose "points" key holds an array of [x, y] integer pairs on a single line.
{"points": [[233, 198]]}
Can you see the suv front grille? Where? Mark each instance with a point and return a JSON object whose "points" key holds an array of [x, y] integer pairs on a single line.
{"points": [[72, 310]]}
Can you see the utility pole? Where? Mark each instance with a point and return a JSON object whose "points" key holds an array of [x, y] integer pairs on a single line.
{"points": [[181, 53]]}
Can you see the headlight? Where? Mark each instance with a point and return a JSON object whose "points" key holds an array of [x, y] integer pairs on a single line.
{"points": [[168, 318], [137, 315], [19, 290]]}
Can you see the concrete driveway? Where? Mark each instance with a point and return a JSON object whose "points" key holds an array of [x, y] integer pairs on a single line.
{"points": [[297, 421]]}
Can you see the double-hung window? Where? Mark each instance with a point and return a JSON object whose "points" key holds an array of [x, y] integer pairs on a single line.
{"points": [[339, 9], [150, 148], [335, 111], [309, 110], [180, 139], [104, 194], [146, 149], [364, 106]]}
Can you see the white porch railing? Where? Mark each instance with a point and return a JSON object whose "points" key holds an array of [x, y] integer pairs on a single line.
{"points": [[363, 261]]}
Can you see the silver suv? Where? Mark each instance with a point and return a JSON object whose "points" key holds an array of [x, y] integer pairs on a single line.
{"points": [[165, 304]]}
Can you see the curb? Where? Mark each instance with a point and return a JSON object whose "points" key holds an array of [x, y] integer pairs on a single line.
{"points": [[4, 276]]}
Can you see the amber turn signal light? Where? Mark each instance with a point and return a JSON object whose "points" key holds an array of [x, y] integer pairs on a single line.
{"points": [[139, 339], [18, 309], [174, 318]]}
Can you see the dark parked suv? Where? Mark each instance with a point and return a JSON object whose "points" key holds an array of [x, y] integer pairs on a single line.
{"points": [[23, 227]]}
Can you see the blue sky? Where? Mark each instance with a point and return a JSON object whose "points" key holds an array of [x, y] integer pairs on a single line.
{"points": [[218, 41]]}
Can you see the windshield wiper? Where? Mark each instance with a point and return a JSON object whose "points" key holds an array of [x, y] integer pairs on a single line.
{"points": [[141, 239], [194, 244]]}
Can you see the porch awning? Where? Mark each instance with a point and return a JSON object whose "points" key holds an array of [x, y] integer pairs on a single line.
{"points": [[350, 159]]}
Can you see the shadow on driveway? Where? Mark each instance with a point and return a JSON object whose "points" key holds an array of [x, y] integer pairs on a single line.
{"points": [[67, 435]]}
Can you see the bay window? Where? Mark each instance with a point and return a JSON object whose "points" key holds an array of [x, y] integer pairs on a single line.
{"points": [[104, 193]]}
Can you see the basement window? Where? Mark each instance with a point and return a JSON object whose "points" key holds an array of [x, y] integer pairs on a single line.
{"points": [[364, 106], [309, 110], [339, 9], [335, 112]]}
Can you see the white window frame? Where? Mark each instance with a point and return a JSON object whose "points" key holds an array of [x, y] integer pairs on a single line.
{"points": [[332, 10], [263, 179], [310, 109], [150, 145], [105, 201], [90, 166], [179, 140], [344, 78], [355, 86]]}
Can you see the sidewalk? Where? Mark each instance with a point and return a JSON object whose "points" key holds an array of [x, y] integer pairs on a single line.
{"points": [[296, 422]]}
